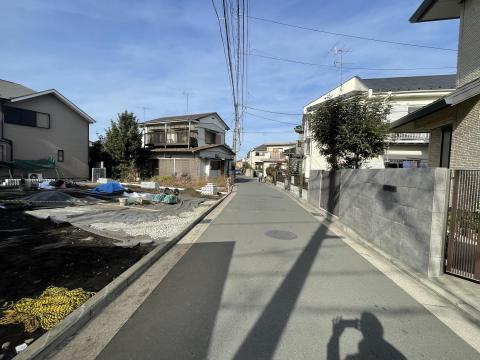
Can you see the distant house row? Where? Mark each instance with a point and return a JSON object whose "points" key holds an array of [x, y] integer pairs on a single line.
{"points": [[45, 135]]}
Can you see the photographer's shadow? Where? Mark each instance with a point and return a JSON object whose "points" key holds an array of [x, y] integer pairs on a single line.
{"points": [[372, 346]]}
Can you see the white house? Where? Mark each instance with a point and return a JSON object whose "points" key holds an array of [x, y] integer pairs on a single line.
{"points": [[406, 94], [265, 155]]}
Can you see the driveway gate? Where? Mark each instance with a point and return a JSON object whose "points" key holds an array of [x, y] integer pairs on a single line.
{"points": [[463, 246]]}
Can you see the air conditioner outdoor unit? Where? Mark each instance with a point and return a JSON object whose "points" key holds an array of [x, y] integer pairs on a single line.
{"points": [[35, 176]]}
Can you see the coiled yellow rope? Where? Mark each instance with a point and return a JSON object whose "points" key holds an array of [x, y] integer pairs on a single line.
{"points": [[53, 305]]}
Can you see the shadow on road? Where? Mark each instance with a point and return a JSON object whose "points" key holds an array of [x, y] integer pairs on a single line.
{"points": [[372, 346], [177, 319], [241, 179], [264, 337]]}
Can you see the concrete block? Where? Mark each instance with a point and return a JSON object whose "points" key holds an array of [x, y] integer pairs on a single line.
{"points": [[437, 245], [419, 220], [442, 178], [376, 176], [395, 213], [440, 201], [420, 199], [435, 267], [438, 224]]}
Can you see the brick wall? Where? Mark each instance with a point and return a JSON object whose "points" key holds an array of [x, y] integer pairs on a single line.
{"points": [[466, 136], [469, 51]]}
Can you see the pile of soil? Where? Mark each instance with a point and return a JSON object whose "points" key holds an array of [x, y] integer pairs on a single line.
{"points": [[36, 253]]}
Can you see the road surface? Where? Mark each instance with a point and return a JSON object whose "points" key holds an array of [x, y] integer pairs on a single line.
{"points": [[268, 281]]}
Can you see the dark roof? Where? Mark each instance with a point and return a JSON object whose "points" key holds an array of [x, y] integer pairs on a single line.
{"points": [[10, 90], [409, 83], [189, 117], [191, 150], [432, 10]]}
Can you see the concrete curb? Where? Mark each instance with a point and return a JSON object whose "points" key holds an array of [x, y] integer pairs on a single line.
{"points": [[41, 347], [471, 311]]}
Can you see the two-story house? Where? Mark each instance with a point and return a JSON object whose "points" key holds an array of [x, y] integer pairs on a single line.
{"points": [[187, 145], [42, 134], [265, 155], [405, 95], [454, 120]]}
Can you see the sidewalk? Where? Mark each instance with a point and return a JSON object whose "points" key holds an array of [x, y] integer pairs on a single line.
{"points": [[463, 294], [266, 279]]}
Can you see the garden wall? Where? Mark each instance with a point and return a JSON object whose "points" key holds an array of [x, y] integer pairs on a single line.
{"points": [[401, 211]]}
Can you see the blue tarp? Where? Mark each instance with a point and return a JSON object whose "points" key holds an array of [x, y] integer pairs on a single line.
{"points": [[109, 188]]}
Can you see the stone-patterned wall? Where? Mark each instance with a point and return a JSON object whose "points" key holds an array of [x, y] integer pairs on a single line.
{"points": [[466, 136]]}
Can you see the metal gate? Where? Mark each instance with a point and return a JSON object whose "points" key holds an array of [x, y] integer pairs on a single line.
{"points": [[463, 246]]}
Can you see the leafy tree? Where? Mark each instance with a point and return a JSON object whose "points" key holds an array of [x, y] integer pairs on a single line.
{"points": [[123, 142], [351, 130], [97, 153]]}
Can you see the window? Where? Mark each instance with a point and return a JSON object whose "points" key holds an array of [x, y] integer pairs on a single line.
{"points": [[257, 154], [215, 164], [26, 117], [60, 156], [209, 137]]}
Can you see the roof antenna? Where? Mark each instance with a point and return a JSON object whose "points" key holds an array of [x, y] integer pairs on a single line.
{"points": [[338, 52]]}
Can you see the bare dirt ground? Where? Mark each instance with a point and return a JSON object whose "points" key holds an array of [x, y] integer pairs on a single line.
{"points": [[35, 254]]}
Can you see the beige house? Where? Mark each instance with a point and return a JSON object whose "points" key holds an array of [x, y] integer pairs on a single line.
{"points": [[40, 126], [454, 120], [265, 155], [406, 95], [187, 145]]}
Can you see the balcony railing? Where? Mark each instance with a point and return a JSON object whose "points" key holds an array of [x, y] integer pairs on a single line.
{"points": [[170, 137], [411, 137]]}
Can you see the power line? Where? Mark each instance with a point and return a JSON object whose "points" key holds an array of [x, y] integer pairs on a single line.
{"points": [[333, 67], [272, 112], [265, 118], [352, 36]]}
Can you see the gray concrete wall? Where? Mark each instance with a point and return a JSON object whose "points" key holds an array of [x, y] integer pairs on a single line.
{"points": [[314, 185], [68, 131], [401, 211]]}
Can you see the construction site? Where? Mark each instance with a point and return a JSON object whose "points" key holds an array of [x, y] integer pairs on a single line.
{"points": [[62, 242]]}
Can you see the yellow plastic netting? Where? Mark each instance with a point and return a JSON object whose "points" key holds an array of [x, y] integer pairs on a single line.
{"points": [[53, 305]]}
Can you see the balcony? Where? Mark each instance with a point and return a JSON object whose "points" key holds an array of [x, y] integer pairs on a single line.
{"points": [[411, 138], [161, 138]]}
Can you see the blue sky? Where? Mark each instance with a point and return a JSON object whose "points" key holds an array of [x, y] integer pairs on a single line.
{"points": [[107, 56]]}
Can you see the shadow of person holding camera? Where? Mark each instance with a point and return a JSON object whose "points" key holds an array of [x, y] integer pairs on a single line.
{"points": [[372, 346]]}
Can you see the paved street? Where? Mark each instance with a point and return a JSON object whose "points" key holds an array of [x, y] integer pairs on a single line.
{"points": [[265, 281]]}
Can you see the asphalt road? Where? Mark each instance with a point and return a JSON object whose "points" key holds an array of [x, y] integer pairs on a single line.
{"points": [[265, 281]]}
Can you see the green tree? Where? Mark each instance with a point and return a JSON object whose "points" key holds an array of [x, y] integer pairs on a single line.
{"points": [[351, 130], [123, 142]]}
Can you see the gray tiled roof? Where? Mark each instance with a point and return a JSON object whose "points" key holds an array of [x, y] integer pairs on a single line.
{"points": [[189, 117], [180, 117], [408, 83], [10, 89]]}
